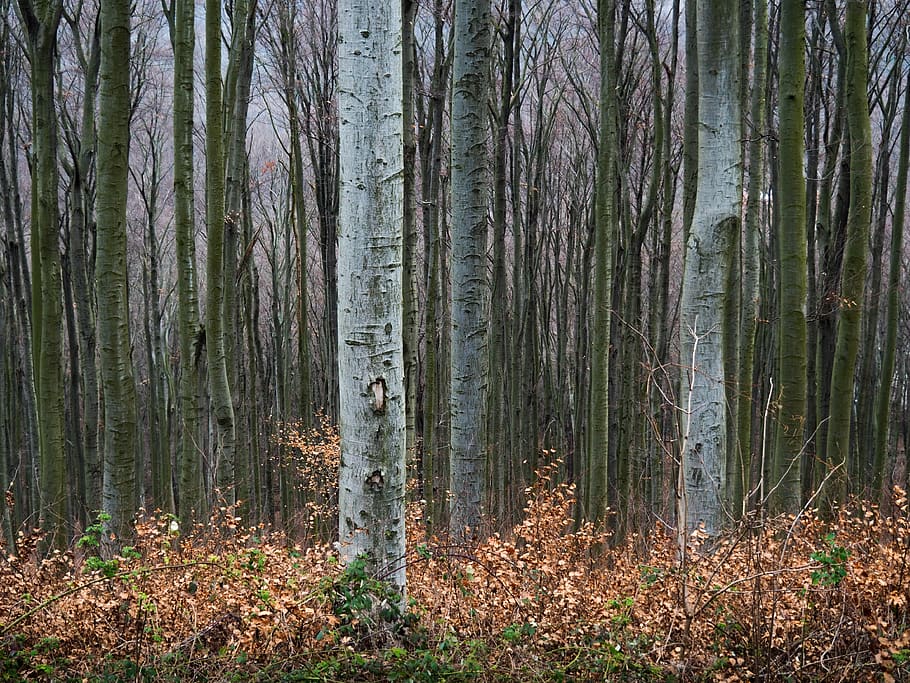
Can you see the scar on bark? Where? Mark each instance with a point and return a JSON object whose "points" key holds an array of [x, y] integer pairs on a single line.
{"points": [[375, 481], [377, 395]]}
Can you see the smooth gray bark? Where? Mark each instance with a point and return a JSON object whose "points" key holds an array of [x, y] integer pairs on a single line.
{"points": [[716, 215], [370, 348]]}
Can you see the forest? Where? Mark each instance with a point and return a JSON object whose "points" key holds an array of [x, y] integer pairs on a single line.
{"points": [[454, 340]]}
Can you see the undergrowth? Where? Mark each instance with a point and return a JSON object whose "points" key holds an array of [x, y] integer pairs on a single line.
{"points": [[778, 600]]}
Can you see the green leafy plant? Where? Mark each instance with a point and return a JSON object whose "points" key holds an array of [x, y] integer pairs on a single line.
{"points": [[516, 632], [128, 552], [650, 575], [16, 657], [366, 606], [91, 542], [94, 532], [255, 559], [107, 567], [624, 605], [833, 563], [266, 597]]}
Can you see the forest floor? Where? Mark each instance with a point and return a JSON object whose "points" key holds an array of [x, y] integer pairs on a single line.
{"points": [[787, 599]]}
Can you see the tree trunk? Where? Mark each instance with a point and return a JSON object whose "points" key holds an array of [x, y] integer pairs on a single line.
{"points": [[411, 324], [831, 225], [498, 406], [470, 188], [370, 354], [786, 461], [80, 249], [149, 180], [236, 100], [868, 475], [41, 20], [596, 476], [219, 383], [289, 48], [317, 96], [813, 184], [739, 457], [715, 217], [883, 399], [690, 118], [7, 391], [191, 498], [854, 267], [431, 150], [23, 412], [119, 491]]}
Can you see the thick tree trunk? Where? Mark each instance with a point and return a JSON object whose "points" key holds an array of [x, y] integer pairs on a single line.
{"points": [[786, 462], [191, 496], [854, 267], [41, 20], [370, 353], [219, 382], [119, 492], [715, 217], [470, 197]]}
